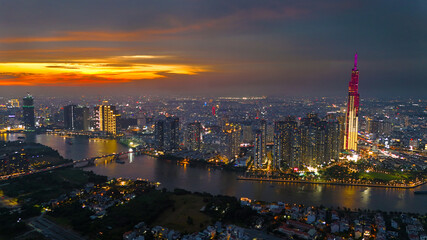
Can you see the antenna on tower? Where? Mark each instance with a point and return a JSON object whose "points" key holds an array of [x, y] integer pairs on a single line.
{"points": [[355, 60]]}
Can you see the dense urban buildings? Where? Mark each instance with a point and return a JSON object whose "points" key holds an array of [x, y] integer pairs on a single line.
{"points": [[305, 147], [225, 120]]}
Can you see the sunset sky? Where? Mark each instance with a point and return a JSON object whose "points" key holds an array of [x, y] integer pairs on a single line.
{"points": [[221, 47]]}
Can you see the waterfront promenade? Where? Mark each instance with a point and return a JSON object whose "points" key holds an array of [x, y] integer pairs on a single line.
{"points": [[402, 186]]}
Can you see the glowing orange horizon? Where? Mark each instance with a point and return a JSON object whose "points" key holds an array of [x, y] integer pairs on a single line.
{"points": [[86, 72]]}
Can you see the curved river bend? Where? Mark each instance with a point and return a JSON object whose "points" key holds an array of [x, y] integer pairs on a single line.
{"points": [[171, 175]]}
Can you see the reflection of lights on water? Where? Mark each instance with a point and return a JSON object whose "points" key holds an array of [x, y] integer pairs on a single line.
{"points": [[130, 157]]}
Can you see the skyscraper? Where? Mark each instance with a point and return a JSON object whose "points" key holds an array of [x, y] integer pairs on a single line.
{"points": [[82, 118], [263, 128], [352, 116], [76, 118], [286, 143], [232, 139], [28, 113], [193, 136], [106, 118], [166, 133], [159, 136], [172, 134], [258, 149], [311, 132], [332, 140]]}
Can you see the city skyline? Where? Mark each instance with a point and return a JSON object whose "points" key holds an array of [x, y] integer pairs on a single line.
{"points": [[216, 49], [192, 119]]}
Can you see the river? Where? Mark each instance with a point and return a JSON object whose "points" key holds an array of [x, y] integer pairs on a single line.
{"points": [[202, 179]]}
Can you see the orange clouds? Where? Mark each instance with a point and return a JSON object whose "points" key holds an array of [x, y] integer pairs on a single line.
{"points": [[87, 72], [88, 64]]}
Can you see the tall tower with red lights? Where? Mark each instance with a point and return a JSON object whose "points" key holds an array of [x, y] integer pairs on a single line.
{"points": [[352, 115]]}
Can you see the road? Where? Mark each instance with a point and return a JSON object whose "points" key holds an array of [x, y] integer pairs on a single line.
{"points": [[53, 231]]}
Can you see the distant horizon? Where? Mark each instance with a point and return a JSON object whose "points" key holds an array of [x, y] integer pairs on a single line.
{"points": [[218, 97]]}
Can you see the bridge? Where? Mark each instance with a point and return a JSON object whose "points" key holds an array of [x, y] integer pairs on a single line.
{"points": [[10, 130], [92, 160]]}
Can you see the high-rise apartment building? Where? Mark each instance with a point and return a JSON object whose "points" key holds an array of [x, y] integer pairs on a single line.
{"points": [[258, 153], [193, 138], [333, 142], [106, 118], [263, 128], [232, 140], [166, 133], [286, 143], [311, 136], [352, 115]]}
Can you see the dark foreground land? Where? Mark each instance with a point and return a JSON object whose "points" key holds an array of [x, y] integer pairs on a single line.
{"points": [[71, 203]]}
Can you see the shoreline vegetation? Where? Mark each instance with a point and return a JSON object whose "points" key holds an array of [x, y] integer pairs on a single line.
{"points": [[268, 179], [401, 186]]}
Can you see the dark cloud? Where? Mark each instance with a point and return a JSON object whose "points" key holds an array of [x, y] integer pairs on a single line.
{"points": [[63, 67]]}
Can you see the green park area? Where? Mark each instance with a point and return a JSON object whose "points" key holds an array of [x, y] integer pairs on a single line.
{"points": [[185, 215], [384, 177], [379, 176]]}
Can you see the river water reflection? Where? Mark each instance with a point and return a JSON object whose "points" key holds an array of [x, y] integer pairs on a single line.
{"points": [[172, 175]]}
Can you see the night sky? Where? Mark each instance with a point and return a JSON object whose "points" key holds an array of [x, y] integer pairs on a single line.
{"points": [[218, 48]]}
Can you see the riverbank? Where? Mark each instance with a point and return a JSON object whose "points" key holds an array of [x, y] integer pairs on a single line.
{"points": [[199, 163], [332, 183]]}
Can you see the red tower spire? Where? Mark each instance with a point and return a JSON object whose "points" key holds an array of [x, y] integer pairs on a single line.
{"points": [[355, 61]]}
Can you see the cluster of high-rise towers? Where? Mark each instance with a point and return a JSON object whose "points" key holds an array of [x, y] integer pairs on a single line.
{"points": [[309, 141]]}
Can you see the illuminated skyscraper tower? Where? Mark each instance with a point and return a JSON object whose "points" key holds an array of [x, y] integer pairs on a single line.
{"points": [[352, 116], [28, 113]]}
